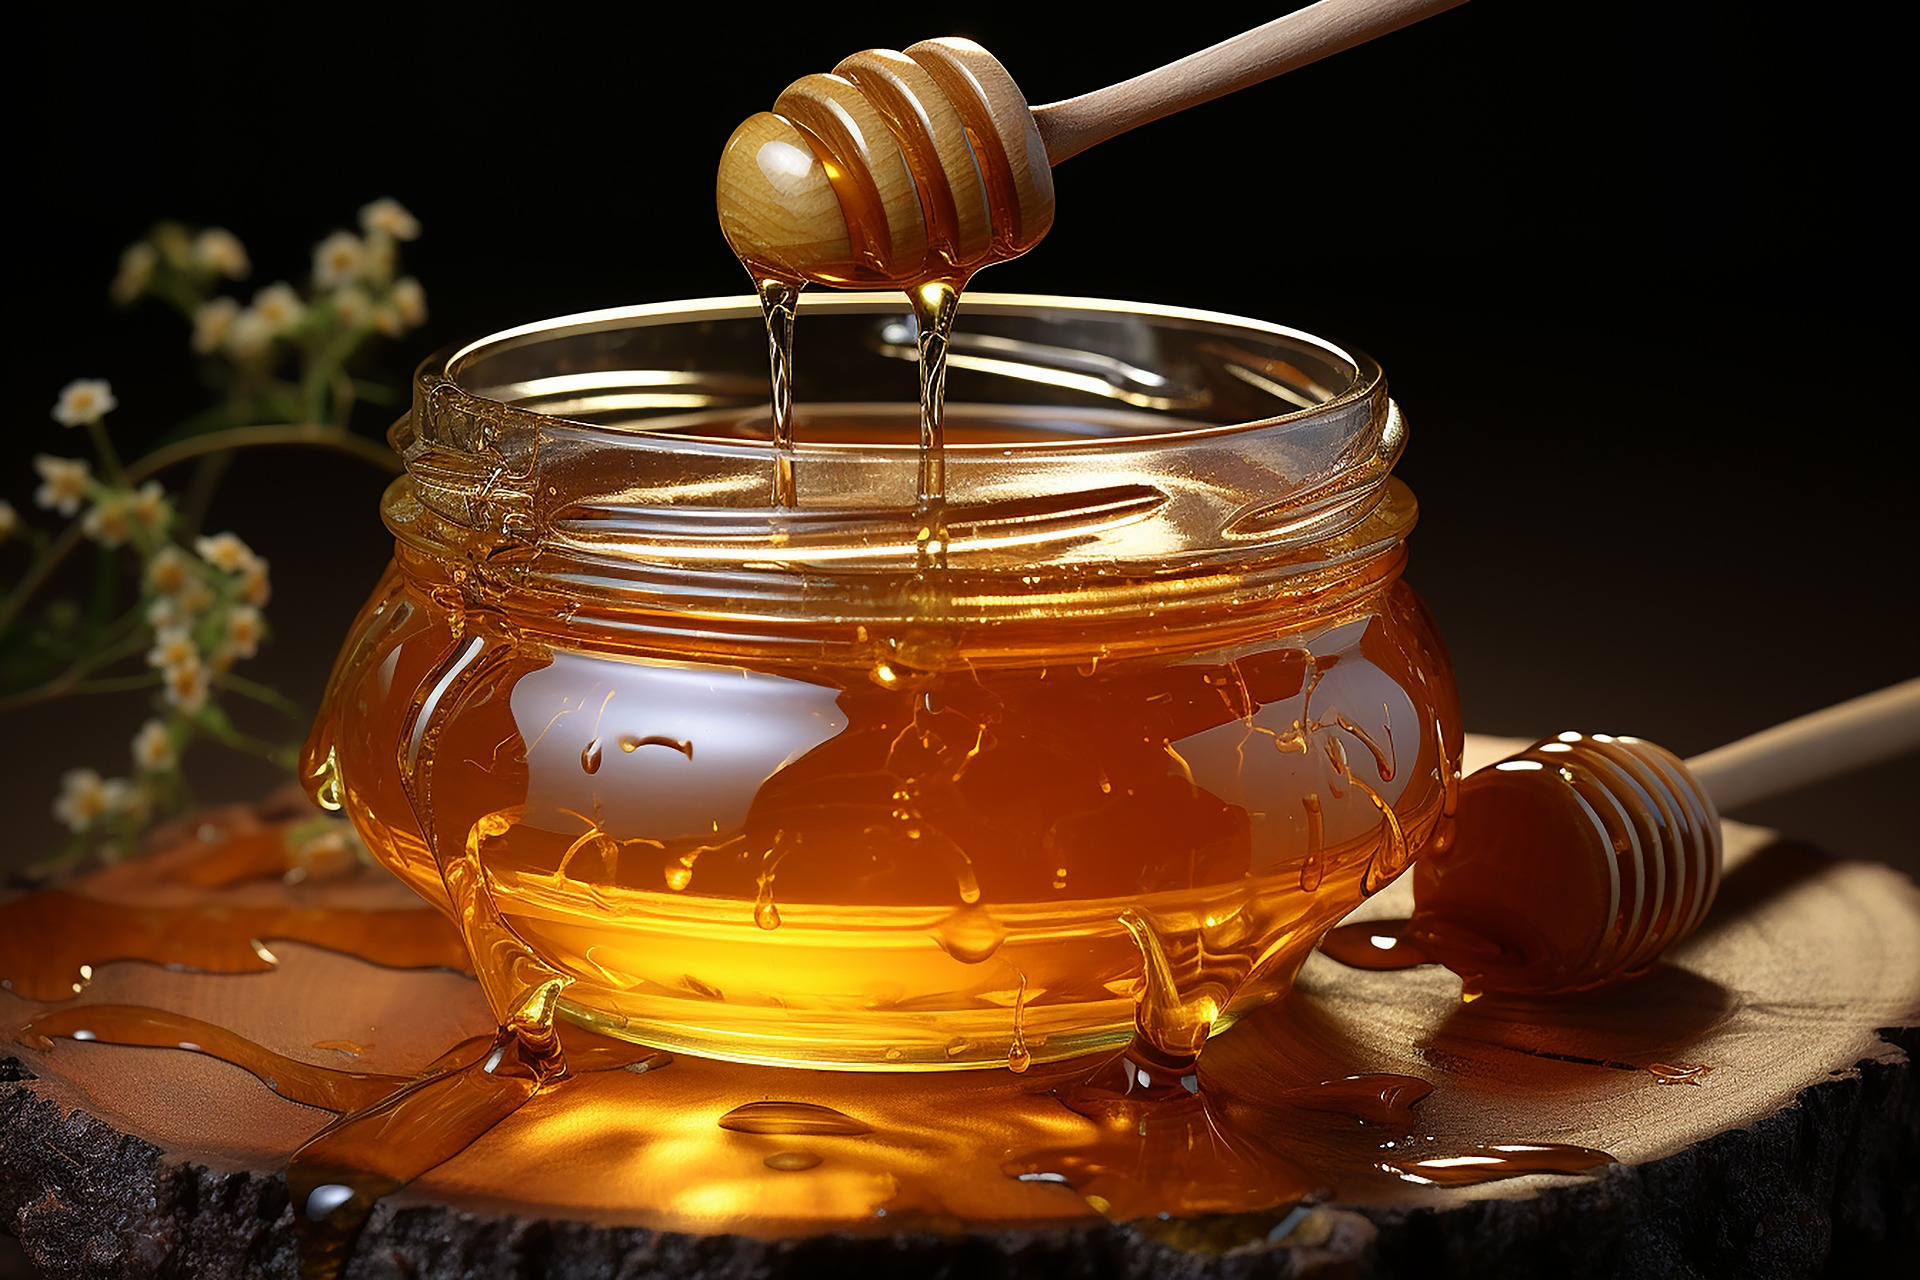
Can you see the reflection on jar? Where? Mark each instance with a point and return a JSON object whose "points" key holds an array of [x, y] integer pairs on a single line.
{"points": [[749, 782]]}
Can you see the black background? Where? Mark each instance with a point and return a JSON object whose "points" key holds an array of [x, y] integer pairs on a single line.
{"points": [[1637, 274]]}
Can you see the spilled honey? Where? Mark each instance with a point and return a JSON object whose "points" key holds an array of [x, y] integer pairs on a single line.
{"points": [[56, 938], [1143, 1133], [1377, 945], [1375, 1097]]}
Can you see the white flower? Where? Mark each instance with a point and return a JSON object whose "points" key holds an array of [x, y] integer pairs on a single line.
{"points": [[390, 216], [173, 647], [194, 599], [404, 309], [249, 335], [352, 307], [83, 799], [83, 402], [9, 521], [109, 521], [279, 306], [63, 483], [153, 749], [148, 507], [137, 262], [245, 628], [164, 613], [169, 571], [339, 258], [212, 323], [254, 587], [225, 551], [129, 801], [383, 255], [410, 300], [218, 250], [187, 687]]}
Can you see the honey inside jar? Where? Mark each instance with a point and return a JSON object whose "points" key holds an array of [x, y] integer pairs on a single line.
{"points": [[747, 777]]}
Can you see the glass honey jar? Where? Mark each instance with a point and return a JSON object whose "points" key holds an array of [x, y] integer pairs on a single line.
{"points": [[702, 744]]}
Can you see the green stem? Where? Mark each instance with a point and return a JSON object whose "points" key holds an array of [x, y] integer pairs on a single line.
{"points": [[121, 628], [304, 433], [70, 682], [206, 478], [176, 293], [260, 693], [74, 679], [229, 736], [109, 456], [118, 684], [38, 573]]}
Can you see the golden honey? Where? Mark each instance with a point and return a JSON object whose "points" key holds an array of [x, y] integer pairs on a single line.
{"points": [[700, 746]]}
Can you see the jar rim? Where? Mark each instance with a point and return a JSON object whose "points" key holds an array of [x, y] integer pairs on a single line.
{"points": [[450, 361], [609, 454]]}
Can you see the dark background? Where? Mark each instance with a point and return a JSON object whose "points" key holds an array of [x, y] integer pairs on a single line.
{"points": [[1633, 271]]}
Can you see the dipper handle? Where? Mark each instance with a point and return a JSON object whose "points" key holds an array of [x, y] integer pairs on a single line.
{"points": [[1820, 745], [1071, 125]]}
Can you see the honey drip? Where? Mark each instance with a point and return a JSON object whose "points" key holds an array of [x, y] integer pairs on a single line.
{"points": [[1170, 1025], [934, 305], [1313, 868], [1393, 854], [779, 299], [1019, 1057]]}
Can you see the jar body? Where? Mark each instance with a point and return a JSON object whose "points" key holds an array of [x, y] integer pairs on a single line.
{"points": [[927, 824], [791, 861]]}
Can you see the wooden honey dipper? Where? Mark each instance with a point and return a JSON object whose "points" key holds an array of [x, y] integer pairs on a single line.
{"points": [[903, 168], [1581, 859]]}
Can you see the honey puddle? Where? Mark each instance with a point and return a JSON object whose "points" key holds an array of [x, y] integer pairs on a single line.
{"points": [[606, 1128], [1376, 945]]}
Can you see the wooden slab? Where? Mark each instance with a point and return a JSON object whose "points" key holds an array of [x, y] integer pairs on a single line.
{"points": [[1795, 1149]]}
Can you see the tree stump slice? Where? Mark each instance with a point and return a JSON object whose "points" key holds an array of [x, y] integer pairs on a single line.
{"points": [[1794, 1151]]}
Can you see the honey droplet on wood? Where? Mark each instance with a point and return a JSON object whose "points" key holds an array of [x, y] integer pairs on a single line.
{"points": [[791, 1118], [1665, 1073], [1379, 1098], [792, 1161], [1477, 1164]]}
